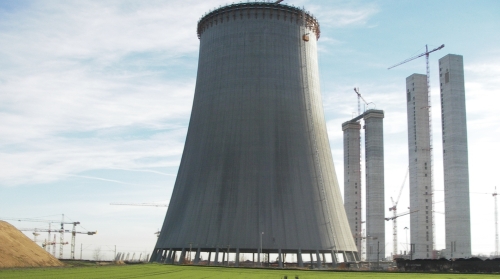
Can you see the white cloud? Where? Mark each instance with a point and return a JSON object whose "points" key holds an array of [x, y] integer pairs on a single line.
{"points": [[94, 85], [344, 14], [86, 85]]}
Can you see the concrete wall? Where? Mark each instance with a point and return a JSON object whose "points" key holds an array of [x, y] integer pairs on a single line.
{"points": [[420, 165], [455, 156], [257, 156], [375, 206], [352, 179]]}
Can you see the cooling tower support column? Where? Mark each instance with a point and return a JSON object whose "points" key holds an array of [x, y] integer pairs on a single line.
{"points": [[197, 256], [352, 179], [300, 263], [374, 161]]}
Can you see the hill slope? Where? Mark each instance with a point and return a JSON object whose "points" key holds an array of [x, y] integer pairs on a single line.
{"points": [[17, 250]]}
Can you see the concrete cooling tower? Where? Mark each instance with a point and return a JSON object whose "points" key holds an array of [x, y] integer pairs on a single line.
{"points": [[256, 176]]}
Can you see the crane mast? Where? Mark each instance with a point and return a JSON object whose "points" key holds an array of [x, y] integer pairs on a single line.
{"points": [[61, 247], [394, 210], [48, 239], [359, 100], [496, 222], [359, 117]]}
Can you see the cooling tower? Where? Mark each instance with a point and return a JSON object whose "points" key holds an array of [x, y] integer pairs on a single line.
{"points": [[256, 175]]}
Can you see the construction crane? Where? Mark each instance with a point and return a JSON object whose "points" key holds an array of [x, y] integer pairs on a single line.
{"points": [[43, 221], [399, 215], [394, 209], [142, 204], [359, 100], [73, 234], [426, 53], [61, 231], [73, 239], [496, 222], [46, 244]]}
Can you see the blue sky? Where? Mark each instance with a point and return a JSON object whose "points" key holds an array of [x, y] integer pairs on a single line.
{"points": [[95, 99]]}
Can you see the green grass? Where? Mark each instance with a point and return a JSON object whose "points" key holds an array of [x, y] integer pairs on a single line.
{"points": [[170, 272]]}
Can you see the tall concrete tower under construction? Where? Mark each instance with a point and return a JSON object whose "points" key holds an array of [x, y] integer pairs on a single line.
{"points": [[256, 174], [420, 166], [375, 206], [455, 156], [352, 179], [374, 165]]}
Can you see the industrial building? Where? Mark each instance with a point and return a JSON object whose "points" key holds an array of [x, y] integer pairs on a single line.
{"points": [[374, 164], [256, 174], [420, 167], [455, 156]]}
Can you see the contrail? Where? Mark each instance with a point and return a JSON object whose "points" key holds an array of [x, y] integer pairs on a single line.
{"points": [[90, 177], [151, 171]]}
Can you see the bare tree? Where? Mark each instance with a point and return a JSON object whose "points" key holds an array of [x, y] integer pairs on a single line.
{"points": [[97, 254]]}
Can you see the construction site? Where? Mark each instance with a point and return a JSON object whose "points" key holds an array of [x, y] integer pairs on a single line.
{"points": [[420, 169]]}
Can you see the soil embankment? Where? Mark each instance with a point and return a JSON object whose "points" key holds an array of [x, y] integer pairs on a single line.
{"points": [[17, 250]]}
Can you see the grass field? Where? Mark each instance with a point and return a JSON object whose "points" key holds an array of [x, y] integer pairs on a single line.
{"points": [[171, 272]]}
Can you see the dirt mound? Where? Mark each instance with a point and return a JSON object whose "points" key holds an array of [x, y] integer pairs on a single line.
{"points": [[17, 250]]}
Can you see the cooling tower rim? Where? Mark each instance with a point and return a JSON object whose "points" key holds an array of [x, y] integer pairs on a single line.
{"points": [[212, 16]]}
